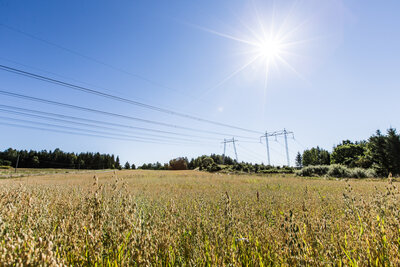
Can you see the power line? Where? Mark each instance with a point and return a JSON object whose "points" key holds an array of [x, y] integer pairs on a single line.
{"points": [[117, 98], [78, 129], [58, 75], [103, 122], [89, 125], [158, 84], [58, 131], [249, 157], [83, 132], [36, 99], [255, 154], [78, 123]]}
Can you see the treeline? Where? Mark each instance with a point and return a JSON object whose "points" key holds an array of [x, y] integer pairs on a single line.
{"points": [[183, 163], [58, 159], [380, 153], [213, 163]]}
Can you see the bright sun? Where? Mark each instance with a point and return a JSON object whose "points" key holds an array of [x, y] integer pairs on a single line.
{"points": [[269, 49], [272, 44]]}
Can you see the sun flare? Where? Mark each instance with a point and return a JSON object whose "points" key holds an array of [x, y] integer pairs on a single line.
{"points": [[269, 49], [270, 43]]}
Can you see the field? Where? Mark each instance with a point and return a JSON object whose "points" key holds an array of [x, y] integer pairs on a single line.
{"points": [[195, 218], [22, 172]]}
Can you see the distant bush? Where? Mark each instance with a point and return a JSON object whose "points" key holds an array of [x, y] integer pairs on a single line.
{"points": [[6, 163], [207, 163], [336, 170], [5, 167], [213, 168], [276, 170], [362, 173], [256, 168], [339, 171], [317, 170]]}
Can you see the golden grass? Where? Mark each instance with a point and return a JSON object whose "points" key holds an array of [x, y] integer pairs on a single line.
{"points": [[23, 172], [195, 218]]}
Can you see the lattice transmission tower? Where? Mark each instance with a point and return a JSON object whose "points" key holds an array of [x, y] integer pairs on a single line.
{"points": [[233, 141], [283, 132]]}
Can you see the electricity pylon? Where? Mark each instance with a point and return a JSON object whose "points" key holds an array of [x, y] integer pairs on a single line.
{"points": [[278, 133], [234, 147]]}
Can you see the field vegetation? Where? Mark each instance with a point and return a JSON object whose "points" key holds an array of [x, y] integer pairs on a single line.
{"points": [[9, 172], [142, 217], [337, 170]]}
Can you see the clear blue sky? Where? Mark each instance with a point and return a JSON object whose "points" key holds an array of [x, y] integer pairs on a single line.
{"points": [[338, 77]]}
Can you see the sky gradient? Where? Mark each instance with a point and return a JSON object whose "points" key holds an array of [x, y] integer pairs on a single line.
{"points": [[338, 78]]}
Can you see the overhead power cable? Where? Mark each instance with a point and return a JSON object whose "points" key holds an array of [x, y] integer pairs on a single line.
{"points": [[50, 102], [120, 99], [12, 111], [86, 125], [103, 122], [252, 153], [77, 129], [250, 157], [138, 76], [59, 131], [85, 132]]}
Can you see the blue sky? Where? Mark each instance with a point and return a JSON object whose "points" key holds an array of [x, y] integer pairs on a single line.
{"points": [[338, 78]]}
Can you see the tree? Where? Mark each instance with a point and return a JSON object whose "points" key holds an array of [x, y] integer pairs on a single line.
{"points": [[299, 160], [133, 167], [393, 151], [384, 152], [117, 163], [178, 164], [57, 159], [35, 161], [127, 166], [315, 156], [348, 153], [206, 162], [81, 163]]}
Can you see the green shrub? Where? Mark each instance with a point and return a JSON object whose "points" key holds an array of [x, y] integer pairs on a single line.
{"points": [[362, 173], [358, 173], [213, 167], [318, 170], [371, 173], [339, 171], [278, 170], [336, 170]]}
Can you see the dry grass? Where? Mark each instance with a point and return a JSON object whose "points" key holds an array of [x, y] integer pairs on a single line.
{"points": [[24, 172], [193, 218]]}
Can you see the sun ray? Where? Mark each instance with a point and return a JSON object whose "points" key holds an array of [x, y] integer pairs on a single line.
{"points": [[288, 53], [303, 41], [275, 65], [271, 42], [272, 23], [265, 86], [261, 25], [226, 35], [251, 30], [300, 25], [230, 76], [287, 64], [285, 20]]}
